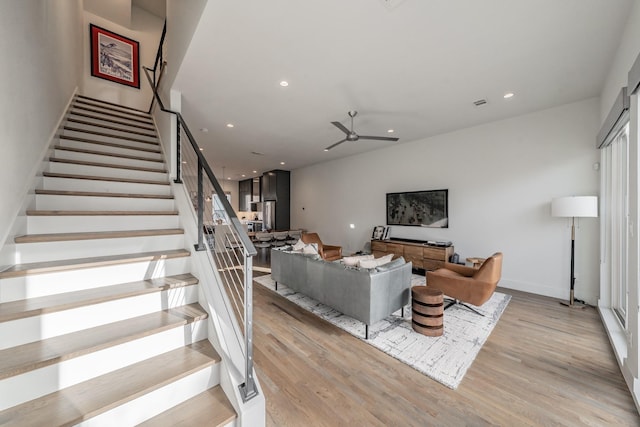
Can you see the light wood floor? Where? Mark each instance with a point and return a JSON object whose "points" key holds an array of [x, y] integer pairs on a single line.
{"points": [[542, 365]]}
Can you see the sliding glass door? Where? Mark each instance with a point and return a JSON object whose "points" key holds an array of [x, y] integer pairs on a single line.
{"points": [[615, 188]]}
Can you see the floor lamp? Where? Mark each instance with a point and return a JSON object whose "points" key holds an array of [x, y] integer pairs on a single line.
{"points": [[574, 207]]}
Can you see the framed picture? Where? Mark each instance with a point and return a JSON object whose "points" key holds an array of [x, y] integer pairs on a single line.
{"points": [[379, 232], [114, 57]]}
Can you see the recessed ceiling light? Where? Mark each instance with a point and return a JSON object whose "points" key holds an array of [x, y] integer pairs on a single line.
{"points": [[390, 131], [282, 163], [326, 149], [184, 162], [243, 175], [201, 149], [204, 130], [255, 171], [228, 178], [284, 83], [508, 95], [230, 125]]}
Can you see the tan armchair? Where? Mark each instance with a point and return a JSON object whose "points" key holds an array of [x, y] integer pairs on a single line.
{"points": [[327, 252], [467, 284]]}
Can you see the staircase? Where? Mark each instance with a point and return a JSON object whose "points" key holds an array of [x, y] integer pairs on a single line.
{"points": [[100, 322]]}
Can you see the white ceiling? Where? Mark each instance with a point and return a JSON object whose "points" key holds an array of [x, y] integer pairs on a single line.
{"points": [[416, 68]]}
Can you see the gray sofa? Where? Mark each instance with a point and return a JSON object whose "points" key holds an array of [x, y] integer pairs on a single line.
{"points": [[366, 295]]}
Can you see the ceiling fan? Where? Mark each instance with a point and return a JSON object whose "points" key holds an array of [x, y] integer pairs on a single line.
{"points": [[352, 136]]}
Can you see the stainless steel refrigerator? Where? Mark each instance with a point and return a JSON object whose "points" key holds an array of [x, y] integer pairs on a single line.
{"points": [[269, 215]]}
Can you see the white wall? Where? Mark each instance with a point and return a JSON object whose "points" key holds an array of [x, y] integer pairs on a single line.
{"points": [[41, 48], [626, 54], [146, 30], [501, 178]]}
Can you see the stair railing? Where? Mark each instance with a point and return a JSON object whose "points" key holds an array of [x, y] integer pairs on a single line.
{"points": [[226, 238]]}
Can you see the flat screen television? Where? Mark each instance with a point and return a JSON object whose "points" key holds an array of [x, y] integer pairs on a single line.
{"points": [[419, 208]]}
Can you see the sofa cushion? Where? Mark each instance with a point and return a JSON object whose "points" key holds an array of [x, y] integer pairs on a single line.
{"points": [[299, 245], [391, 265], [310, 249], [352, 261], [373, 263]]}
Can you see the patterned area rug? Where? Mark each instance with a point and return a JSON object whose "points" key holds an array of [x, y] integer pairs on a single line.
{"points": [[444, 359]]}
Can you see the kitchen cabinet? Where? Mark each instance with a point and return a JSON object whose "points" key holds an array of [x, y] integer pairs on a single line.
{"points": [[276, 188], [245, 190]]}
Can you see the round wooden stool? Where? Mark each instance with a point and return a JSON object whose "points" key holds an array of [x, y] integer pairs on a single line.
{"points": [[427, 311]]}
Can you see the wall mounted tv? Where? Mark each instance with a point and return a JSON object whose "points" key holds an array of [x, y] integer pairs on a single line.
{"points": [[419, 208]]}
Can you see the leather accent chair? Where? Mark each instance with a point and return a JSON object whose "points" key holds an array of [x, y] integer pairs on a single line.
{"points": [[467, 284], [327, 252]]}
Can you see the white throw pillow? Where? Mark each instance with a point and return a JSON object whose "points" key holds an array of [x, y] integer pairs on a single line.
{"points": [[311, 248], [373, 263], [299, 245], [352, 261]]}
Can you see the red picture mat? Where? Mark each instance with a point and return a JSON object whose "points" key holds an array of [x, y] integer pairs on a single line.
{"points": [[114, 57]]}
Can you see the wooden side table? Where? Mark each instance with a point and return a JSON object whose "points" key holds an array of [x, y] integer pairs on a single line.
{"points": [[427, 311], [475, 261]]}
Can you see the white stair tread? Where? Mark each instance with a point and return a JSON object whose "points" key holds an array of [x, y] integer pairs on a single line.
{"points": [[111, 120], [90, 262], [80, 402], [103, 178]]}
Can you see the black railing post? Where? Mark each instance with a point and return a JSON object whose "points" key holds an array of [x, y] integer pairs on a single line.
{"points": [[178, 179], [200, 245]]}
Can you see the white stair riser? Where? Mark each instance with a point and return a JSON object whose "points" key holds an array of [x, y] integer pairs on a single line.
{"points": [[106, 171], [50, 251], [72, 184], [157, 401], [108, 149], [63, 202], [131, 132], [39, 285], [101, 158], [23, 331], [106, 120], [71, 224], [33, 384], [111, 109], [127, 118], [131, 140]]}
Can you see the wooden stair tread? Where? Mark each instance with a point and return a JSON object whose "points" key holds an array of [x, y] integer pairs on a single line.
{"points": [[103, 126], [26, 269], [109, 135], [106, 153], [136, 111], [102, 194], [35, 355], [211, 408], [98, 213], [106, 165], [58, 302], [65, 237], [113, 121], [87, 107], [110, 144], [98, 395], [103, 178]]}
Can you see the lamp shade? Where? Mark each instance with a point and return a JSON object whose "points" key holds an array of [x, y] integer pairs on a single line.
{"points": [[575, 206]]}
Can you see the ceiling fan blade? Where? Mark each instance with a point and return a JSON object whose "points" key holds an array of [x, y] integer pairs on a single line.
{"points": [[341, 127], [337, 143], [379, 138]]}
